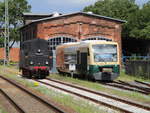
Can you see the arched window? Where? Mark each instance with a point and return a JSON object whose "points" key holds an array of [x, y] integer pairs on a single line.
{"points": [[97, 38], [54, 42]]}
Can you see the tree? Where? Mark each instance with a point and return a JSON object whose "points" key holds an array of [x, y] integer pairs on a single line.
{"points": [[1, 18], [16, 8], [1, 41], [113, 8], [142, 25], [122, 9]]}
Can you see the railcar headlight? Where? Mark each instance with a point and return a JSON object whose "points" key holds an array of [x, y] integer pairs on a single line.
{"points": [[39, 50], [46, 62], [31, 62]]}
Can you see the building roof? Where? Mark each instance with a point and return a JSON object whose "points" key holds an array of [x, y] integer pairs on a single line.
{"points": [[71, 14], [35, 14], [39, 14], [82, 13]]}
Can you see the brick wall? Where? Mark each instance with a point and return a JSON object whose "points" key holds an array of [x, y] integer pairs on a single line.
{"points": [[90, 26], [14, 54], [80, 27], [77, 26], [86, 26], [1, 53]]}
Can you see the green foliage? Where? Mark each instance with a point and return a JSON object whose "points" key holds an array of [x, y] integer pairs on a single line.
{"points": [[16, 8], [1, 13], [1, 39], [113, 8], [138, 19], [144, 28]]}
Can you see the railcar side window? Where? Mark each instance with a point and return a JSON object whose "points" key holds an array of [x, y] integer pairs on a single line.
{"points": [[70, 58]]}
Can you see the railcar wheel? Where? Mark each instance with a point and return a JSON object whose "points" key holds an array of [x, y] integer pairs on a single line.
{"points": [[83, 77], [91, 78], [61, 73], [88, 77]]}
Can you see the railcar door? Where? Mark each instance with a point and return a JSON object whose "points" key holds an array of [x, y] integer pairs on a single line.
{"points": [[82, 62]]}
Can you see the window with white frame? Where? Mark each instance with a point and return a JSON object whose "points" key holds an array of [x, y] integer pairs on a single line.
{"points": [[54, 42]]}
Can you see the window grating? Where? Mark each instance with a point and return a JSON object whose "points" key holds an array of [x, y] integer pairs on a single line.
{"points": [[54, 42]]}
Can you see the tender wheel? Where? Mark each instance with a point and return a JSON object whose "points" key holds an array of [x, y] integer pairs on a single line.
{"points": [[23, 73], [29, 75], [42, 77]]}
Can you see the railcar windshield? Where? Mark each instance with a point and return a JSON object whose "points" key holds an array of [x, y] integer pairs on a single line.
{"points": [[105, 53]]}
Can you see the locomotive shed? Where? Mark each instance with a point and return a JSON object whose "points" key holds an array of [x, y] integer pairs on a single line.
{"points": [[62, 28]]}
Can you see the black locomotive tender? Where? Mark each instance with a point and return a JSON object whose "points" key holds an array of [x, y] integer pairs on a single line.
{"points": [[35, 58]]}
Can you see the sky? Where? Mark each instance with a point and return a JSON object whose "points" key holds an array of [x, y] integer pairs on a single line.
{"points": [[63, 6]]}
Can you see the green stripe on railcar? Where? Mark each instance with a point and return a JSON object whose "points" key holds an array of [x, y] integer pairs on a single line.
{"points": [[95, 72]]}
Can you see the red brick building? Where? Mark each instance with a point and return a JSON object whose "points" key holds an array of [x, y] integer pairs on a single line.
{"points": [[57, 28], [14, 54]]}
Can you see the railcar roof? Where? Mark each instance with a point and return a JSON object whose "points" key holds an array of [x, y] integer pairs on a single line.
{"points": [[96, 41], [87, 42]]}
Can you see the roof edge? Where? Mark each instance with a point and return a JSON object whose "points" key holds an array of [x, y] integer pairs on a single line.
{"points": [[76, 13]]}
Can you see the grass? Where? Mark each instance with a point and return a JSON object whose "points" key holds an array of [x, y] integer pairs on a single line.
{"points": [[126, 77], [96, 86], [2, 110], [93, 85], [79, 106]]}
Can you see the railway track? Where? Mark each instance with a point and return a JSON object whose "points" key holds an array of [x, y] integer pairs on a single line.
{"points": [[25, 100], [128, 86], [136, 86], [97, 97], [147, 84], [12, 102]]}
